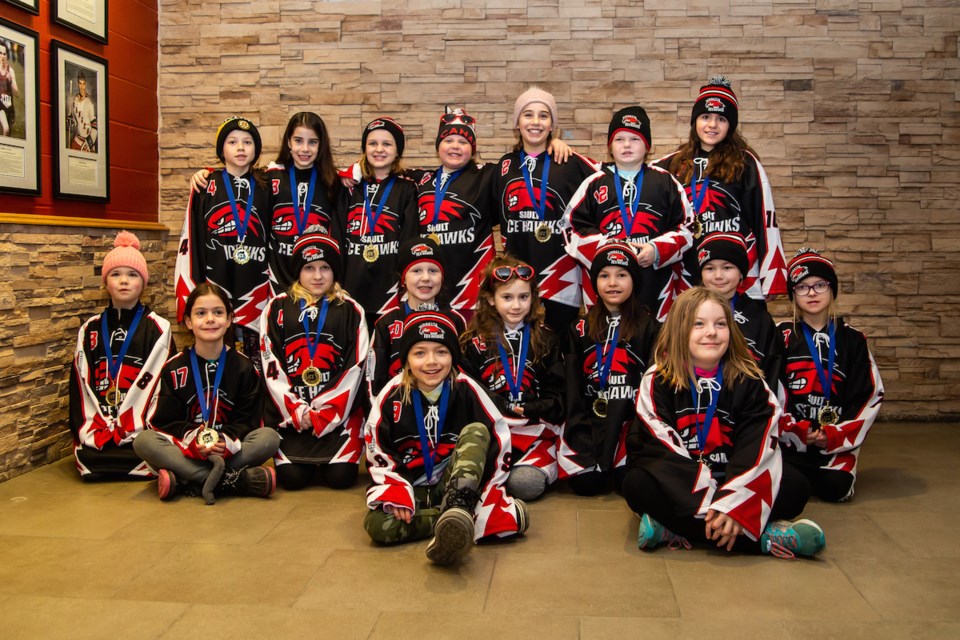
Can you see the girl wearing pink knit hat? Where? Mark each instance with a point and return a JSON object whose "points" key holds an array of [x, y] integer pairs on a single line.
{"points": [[116, 367]]}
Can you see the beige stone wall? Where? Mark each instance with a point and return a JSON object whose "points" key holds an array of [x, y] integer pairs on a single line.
{"points": [[852, 106]]}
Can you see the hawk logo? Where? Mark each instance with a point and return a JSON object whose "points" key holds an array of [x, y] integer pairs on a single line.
{"points": [[376, 124], [313, 253], [221, 223], [617, 258], [297, 354], [600, 195], [421, 250], [631, 121], [799, 273], [703, 256], [432, 331], [714, 104]]}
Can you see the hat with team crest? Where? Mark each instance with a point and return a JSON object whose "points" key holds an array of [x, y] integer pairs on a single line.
{"points": [[808, 262], [617, 254], [430, 326], [717, 97]]}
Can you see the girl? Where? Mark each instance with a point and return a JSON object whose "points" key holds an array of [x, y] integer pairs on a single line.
{"points": [[605, 357], [437, 451], [728, 188], [531, 195], [209, 406], [723, 267], [640, 204], [422, 286], [116, 368], [374, 217], [832, 383], [224, 237], [315, 341], [509, 351], [704, 462]]}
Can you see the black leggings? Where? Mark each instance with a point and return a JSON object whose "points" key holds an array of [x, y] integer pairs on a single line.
{"points": [[829, 485], [593, 483], [338, 475]]}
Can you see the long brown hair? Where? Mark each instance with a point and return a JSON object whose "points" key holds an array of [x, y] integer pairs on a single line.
{"points": [[326, 168], [726, 159], [672, 353], [633, 313]]}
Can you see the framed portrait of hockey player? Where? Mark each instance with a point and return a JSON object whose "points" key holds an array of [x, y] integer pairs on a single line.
{"points": [[89, 17], [81, 158], [19, 110]]}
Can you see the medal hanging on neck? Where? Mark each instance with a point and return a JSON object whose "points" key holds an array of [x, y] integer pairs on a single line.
{"points": [[440, 185], [301, 217], [428, 445], [544, 231], [241, 255], [604, 358], [208, 398], [311, 375], [703, 428], [627, 213], [113, 396], [698, 197], [515, 378], [370, 250], [827, 414]]}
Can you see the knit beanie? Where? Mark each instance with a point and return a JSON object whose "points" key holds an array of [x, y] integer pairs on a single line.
{"points": [[429, 326], [126, 253], [617, 254], [414, 250], [809, 262], [718, 97], [388, 124], [528, 97], [457, 122], [632, 119], [315, 245], [724, 246], [238, 123]]}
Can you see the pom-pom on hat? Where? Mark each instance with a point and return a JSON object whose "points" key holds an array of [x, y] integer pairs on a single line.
{"points": [[238, 123], [457, 122], [528, 97], [808, 262], [126, 253], [415, 250], [633, 119], [313, 246], [429, 326], [387, 124], [717, 96], [617, 254], [724, 246]]}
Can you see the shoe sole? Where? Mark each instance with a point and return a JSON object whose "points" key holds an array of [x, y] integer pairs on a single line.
{"points": [[166, 485], [452, 537], [262, 484]]}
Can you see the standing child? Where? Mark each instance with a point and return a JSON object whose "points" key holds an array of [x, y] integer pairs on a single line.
{"points": [[833, 386], [605, 357], [116, 368], [206, 418], [704, 462], [374, 217], [437, 451], [638, 203], [422, 288], [315, 341], [509, 350], [224, 238], [728, 188]]}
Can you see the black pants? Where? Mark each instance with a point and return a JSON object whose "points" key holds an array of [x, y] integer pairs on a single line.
{"points": [[830, 485], [338, 475], [593, 483]]}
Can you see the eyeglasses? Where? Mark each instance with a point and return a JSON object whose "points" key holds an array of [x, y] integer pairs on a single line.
{"points": [[465, 118], [524, 272], [816, 287]]}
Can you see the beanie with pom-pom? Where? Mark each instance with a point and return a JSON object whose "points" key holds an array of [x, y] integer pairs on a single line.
{"points": [[126, 253]]}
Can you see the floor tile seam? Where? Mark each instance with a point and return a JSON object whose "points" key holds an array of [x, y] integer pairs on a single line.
{"points": [[673, 589], [320, 565], [906, 550], [146, 571], [839, 567], [174, 622], [373, 627], [486, 593]]}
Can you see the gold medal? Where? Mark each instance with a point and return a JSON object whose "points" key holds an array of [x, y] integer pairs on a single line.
{"points": [[827, 415], [371, 252], [543, 232], [113, 396], [311, 376], [697, 228], [600, 407], [208, 437], [241, 255], [434, 237]]}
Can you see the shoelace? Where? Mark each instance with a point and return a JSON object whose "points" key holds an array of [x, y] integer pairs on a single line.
{"points": [[779, 551], [675, 542]]}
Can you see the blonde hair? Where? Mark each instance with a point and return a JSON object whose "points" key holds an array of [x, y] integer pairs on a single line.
{"points": [[298, 292], [672, 353], [367, 171], [798, 313], [408, 382]]}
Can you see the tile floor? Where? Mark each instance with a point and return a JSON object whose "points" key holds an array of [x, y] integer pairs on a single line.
{"points": [[111, 561]]}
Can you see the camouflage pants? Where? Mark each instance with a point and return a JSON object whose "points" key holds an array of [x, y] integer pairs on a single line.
{"points": [[464, 472]]}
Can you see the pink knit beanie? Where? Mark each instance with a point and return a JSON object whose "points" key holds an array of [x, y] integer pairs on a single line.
{"points": [[126, 253], [531, 95]]}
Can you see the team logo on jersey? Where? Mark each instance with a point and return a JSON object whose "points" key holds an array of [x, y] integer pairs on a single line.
{"points": [[221, 223], [631, 121], [432, 331], [799, 273], [298, 356], [421, 250], [703, 256], [714, 104]]}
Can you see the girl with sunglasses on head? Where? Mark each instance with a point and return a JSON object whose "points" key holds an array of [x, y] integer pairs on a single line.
{"points": [[833, 386], [509, 350], [606, 354]]}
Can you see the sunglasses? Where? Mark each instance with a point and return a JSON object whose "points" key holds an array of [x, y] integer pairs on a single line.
{"points": [[450, 118], [524, 272]]}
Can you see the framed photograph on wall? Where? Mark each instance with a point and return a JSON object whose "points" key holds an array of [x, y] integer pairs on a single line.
{"points": [[19, 110], [79, 102], [89, 17], [26, 5]]}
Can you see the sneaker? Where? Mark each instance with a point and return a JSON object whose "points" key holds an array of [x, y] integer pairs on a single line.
{"points": [[523, 515], [452, 536], [166, 484], [257, 481], [785, 539], [652, 534]]}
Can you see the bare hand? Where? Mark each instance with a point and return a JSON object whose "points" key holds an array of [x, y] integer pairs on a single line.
{"points": [[722, 528], [198, 181], [817, 438], [400, 513], [559, 150], [646, 255]]}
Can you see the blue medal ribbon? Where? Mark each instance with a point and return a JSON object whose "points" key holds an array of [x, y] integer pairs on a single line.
{"points": [[627, 212], [239, 223], [825, 379], [703, 428], [313, 339], [441, 191], [294, 193], [515, 382], [203, 399], [372, 218], [113, 364], [541, 206], [425, 449], [605, 358]]}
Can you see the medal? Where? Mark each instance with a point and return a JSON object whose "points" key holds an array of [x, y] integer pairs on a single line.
{"points": [[311, 376], [627, 213], [208, 398], [371, 252], [514, 375], [434, 237], [241, 255], [543, 232], [428, 445], [442, 182], [114, 364], [604, 362], [697, 228], [208, 437], [827, 415], [703, 428], [698, 197], [600, 407], [113, 396]]}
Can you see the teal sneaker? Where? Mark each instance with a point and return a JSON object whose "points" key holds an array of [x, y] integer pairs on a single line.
{"points": [[785, 539], [652, 534]]}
